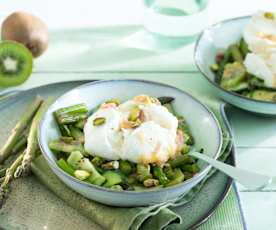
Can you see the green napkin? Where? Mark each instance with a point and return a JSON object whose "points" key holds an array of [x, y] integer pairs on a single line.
{"points": [[159, 216]]}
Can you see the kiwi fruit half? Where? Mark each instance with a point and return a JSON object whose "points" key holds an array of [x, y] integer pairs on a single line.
{"points": [[16, 63]]}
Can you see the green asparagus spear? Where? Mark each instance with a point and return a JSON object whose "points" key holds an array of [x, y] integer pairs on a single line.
{"points": [[20, 144], [168, 171], [32, 145], [225, 60], [97, 161], [77, 134], [74, 159], [181, 160], [143, 172], [19, 128], [185, 149], [188, 139], [8, 177], [77, 161], [112, 178], [61, 146], [236, 54], [160, 175], [80, 124], [178, 177], [65, 167], [188, 175], [68, 140], [193, 168], [132, 179], [233, 74], [64, 130], [71, 114], [125, 167], [244, 47]]}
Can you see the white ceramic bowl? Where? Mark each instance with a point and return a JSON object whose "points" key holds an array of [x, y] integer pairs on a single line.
{"points": [[204, 127], [219, 36]]}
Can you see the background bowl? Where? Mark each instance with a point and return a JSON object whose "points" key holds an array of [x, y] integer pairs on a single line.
{"points": [[204, 127], [220, 36]]}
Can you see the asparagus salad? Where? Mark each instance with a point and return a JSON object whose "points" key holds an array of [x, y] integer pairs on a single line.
{"points": [[248, 67], [138, 144]]}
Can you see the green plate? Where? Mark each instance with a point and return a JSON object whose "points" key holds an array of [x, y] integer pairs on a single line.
{"points": [[32, 206]]}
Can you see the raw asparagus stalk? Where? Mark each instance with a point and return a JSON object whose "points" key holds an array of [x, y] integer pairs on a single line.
{"points": [[71, 114], [19, 128], [8, 178], [32, 142], [20, 144]]}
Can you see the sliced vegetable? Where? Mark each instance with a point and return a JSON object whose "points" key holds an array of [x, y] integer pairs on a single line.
{"points": [[77, 134], [61, 146], [143, 172], [71, 114], [97, 161], [233, 74], [125, 167], [244, 47], [112, 178], [65, 167], [160, 175], [263, 95], [181, 160], [178, 177], [235, 53], [193, 168]]}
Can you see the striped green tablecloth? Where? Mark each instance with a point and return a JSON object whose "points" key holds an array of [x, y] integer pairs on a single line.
{"points": [[228, 216]]}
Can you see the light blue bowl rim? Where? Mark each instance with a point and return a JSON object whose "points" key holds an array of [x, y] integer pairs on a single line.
{"points": [[100, 188], [221, 23]]}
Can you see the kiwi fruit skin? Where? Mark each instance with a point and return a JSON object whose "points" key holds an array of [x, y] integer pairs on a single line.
{"points": [[24, 59], [27, 29]]}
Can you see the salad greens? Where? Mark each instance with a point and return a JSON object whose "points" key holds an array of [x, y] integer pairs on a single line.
{"points": [[231, 74]]}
